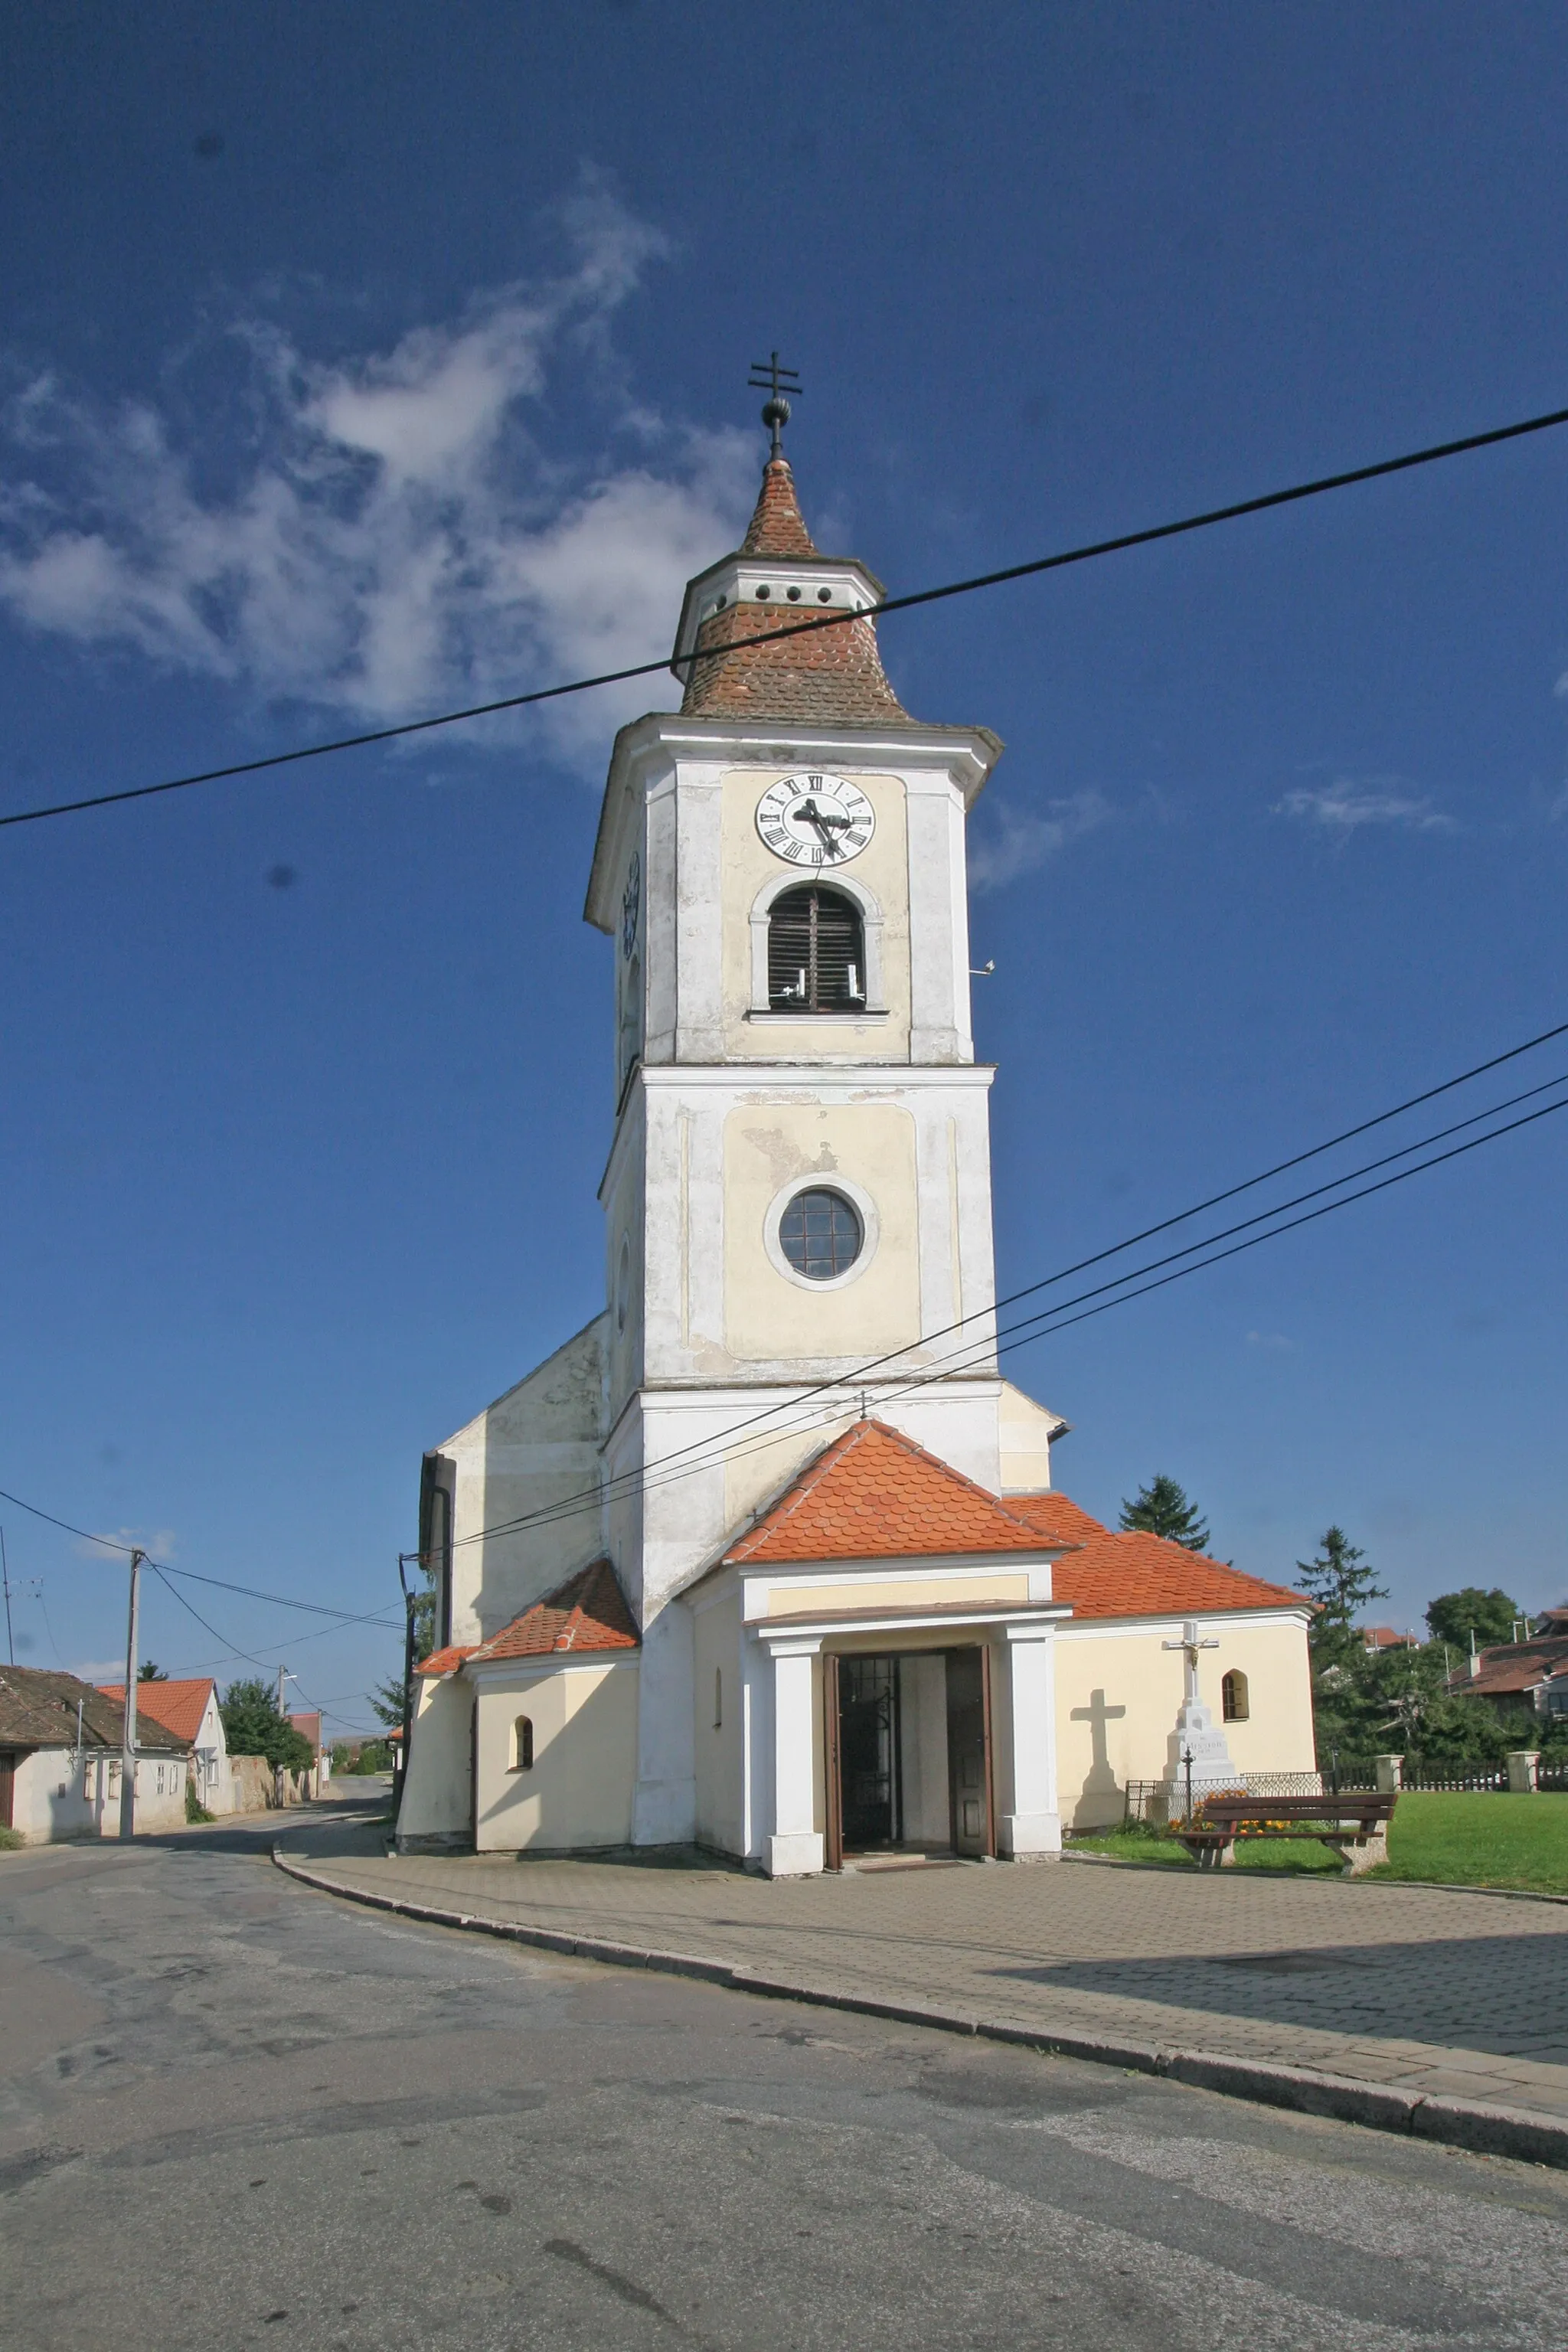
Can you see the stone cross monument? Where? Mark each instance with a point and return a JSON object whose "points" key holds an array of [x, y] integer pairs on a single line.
{"points": [[1197, 1743]]}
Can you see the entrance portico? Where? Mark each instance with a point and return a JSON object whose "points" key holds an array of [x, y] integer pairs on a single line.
{"points": [[920, 1729], [892, 1698]]}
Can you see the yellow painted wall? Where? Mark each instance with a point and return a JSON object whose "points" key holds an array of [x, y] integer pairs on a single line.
{"points": [[436, 1798], [1024, 1442], [720, 1753], [821, 1599], [1118, 1697], [579, 1791], [881, 869], [768, 1144]]}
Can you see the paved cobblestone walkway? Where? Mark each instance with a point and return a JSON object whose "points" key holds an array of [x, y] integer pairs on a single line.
{"points": [[1447, 1994]]}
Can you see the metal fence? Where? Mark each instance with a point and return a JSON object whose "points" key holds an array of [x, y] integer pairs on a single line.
{"points": [[1156, 1801], [1470, 1778], [1554, 1775]]}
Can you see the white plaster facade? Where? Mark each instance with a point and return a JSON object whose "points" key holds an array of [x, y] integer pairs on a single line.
{"points": [[74, 1792], [715, 1371]]}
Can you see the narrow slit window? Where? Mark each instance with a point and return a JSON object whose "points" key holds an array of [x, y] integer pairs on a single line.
{"points": [[522, 1743], [816, 953]]}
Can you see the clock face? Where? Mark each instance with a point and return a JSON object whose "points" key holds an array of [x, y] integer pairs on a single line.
{"points": [[815, 820]]}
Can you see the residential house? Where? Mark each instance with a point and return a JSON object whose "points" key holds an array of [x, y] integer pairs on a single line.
{"points": [[1512, 1675], [190, 1709], [60, 1760]]}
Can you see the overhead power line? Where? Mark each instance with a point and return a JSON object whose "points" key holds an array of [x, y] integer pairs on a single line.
{"points": [[1148, 536], [167, 1568], [707, 1451]]}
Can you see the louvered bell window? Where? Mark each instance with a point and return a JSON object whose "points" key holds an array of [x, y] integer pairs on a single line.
{"points": [[816, 953]]}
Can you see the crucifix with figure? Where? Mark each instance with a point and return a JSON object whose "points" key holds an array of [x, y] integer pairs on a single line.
{"points": [[1198, 1759], [1190, 1644]]}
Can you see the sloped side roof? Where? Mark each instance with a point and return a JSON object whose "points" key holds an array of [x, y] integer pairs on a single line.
{"points": [[179, 1706], [588, 1612], [874, 1494], [39, 1709], [1138, 1575], [1507, 1667], [447, 1661]]}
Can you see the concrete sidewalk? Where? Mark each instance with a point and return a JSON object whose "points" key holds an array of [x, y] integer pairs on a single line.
{"points": [[1423, 2010]]}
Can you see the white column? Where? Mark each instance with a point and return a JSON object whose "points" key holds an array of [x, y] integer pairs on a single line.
{"points": [[795, 1847], [1034, 1826]]}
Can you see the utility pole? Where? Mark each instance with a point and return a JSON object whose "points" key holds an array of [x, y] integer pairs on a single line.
{"points": [[282, 1677], [128, 1736], [5, 1580]]}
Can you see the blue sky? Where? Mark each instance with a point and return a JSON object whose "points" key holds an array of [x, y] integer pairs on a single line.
{"points": [[355, 361]]}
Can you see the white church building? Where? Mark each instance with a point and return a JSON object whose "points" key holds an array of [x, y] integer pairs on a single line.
{"points": [[767, 1556]]}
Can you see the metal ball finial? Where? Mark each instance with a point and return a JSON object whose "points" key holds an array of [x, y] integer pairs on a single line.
{"points": [[778, 382]]}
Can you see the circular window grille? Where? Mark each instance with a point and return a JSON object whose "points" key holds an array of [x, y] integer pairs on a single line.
{"points": [[821, 1235]]}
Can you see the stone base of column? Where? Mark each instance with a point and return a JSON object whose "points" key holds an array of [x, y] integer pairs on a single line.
{"points": [[1030, 1837], [798, 1855]]}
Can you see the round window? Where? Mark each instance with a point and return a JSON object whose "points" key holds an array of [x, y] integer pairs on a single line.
{"points": [[821, 1235]]}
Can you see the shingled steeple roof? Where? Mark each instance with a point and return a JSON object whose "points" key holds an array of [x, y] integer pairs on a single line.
{"points": [[776, 577], [777, 526]]}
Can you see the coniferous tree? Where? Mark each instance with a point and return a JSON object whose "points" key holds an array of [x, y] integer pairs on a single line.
{"points": [[1161, 1508], [1340, 1583]]}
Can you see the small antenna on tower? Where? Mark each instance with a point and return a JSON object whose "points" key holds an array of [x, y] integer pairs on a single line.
{"points": [[782, 384]]}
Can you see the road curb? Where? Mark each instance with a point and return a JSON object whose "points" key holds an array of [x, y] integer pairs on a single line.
{"points": [[1515, 2132]]}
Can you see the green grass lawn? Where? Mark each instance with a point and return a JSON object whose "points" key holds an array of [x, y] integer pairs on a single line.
{"points": [[1458, 1841], [1481, 1840]]}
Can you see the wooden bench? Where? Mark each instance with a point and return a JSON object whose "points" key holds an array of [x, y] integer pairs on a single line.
{"points": [[1355, 1823]]}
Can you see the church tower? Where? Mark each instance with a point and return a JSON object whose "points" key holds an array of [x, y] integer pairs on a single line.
{"points": [[766, 1558], [798, 1195]]}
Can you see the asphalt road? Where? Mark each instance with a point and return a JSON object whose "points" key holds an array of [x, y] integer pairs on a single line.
{"points": [[234, 2113]]}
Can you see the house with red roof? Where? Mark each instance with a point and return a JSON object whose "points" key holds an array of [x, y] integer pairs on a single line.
{"points": [[768, 1556], [189, 1708]]}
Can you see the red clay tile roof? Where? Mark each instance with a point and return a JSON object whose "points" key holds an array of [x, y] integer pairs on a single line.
{"points": [[1137, 1575], [447, 1661], [1513, 1667], [587, 1612], [874, 1494], [777, 526], [833, 674], [178, 1707]]}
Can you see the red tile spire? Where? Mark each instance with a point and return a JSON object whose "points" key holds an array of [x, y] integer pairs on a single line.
{"points": [[777, 526], [827, 675]]}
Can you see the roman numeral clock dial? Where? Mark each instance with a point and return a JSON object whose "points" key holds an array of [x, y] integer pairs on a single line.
{"points": [[815, 820]]}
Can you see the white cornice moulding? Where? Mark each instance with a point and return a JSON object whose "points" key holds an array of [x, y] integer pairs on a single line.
{"points": [[960, 757]]}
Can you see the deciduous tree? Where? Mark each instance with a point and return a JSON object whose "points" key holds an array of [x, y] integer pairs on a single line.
{"points": [[1490, 1616]]}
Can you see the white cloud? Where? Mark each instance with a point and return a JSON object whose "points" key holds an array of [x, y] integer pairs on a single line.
{"points": [[392, 536], [1274, 1341], [1343, 805], [1020, 841], [160, 1542], [98, 1670]]}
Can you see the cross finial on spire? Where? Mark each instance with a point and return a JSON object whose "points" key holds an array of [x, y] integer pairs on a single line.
{"points": [[780, 382]]}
